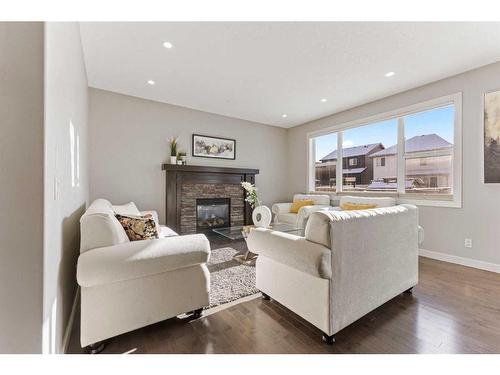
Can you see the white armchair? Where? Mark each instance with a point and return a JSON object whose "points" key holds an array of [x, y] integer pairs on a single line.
{"points": [[282, 212], [127, 285]]}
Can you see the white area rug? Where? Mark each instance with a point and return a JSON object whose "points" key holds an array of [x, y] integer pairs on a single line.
{"points": [[229, 279]]}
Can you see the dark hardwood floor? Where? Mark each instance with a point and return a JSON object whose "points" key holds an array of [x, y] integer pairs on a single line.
{"points": [[454, 309]]}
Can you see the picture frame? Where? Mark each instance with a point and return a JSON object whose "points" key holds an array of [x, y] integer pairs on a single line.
{"points": [[491, 134], [206, 146]]}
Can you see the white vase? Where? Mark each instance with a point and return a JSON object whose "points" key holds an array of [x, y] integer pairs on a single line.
{"points": [[262, 216], [173, 160]]}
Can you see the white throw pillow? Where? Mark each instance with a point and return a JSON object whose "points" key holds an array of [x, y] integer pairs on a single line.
{"points": [[127, 209]]}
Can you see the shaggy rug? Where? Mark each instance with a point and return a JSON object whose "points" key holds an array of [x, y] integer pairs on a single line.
{"points": [[229, 279]]}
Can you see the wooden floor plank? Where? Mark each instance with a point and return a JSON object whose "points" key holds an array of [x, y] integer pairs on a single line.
{"points": [[454, 309]]}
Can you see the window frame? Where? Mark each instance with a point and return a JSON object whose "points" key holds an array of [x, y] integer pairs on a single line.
{"points": [[452, 200]]}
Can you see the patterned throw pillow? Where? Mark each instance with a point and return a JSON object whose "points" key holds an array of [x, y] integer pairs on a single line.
{"points": [[138, 227]]}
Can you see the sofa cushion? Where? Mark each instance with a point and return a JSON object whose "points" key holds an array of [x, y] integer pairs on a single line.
{"points": [[357, 206], [298, 204], [379, 201], [166, 232], [321, 199], [139, 228], [294, 251], [288, 218], [99, 227], [138, 259], [126, 209]]}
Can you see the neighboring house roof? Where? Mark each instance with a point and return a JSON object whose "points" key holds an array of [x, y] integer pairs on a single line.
{"points": [[353, 170], [353, 151], [418, 143]]}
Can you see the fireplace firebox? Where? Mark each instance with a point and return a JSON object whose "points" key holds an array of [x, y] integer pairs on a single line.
{"points": [[212, 213]]}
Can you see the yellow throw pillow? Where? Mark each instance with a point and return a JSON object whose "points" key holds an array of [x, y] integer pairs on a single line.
{"points": [[357, 206], [294, 209]]}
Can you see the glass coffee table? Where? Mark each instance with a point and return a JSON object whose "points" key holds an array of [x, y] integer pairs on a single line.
{"points": [[240, 232]]}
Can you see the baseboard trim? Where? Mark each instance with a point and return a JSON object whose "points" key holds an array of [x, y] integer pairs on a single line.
{"points": [[69, 326], [479, 264]]}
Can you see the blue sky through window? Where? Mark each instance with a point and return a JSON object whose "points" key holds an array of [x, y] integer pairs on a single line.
{"points": [[438, 121]]}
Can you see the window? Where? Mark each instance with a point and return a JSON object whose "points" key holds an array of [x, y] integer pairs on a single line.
{"points": [[429, 151], [325, 160], [367, 145], [413, 153]]}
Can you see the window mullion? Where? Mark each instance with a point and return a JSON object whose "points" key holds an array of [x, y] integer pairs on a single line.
{"points": [[401, 162], [312, 165], [340, 165]]}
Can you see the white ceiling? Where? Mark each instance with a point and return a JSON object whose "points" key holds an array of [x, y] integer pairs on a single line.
{"points": [[258, 71]]}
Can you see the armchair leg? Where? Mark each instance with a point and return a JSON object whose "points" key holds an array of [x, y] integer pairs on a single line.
{"points": [[409, 291], [96, 348], [329, 340], [265, 297], [197, 313]]}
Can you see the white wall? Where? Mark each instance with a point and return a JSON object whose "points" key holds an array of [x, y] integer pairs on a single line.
{"points": [[128, 145], [66, 110], [21, 186], [445, 228]]}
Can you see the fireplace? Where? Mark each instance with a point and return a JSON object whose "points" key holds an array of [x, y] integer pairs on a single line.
{"points": [[185, 184], [212, 213]]}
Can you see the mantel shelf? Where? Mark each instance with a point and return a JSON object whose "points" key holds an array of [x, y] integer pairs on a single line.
{"points": [[208, 169]]}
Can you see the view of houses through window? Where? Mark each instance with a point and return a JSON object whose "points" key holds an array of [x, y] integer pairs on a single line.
{"points": [[370, 155]]}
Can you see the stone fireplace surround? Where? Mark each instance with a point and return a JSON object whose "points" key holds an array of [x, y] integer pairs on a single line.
{"points": [[192, 191], [185, 183]]}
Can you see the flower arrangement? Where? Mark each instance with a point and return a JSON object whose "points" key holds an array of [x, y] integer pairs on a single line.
{"points": [[251, 191], [172, 142]]}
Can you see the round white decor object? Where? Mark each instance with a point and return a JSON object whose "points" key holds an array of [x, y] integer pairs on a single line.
{"points": [[262, 216]]}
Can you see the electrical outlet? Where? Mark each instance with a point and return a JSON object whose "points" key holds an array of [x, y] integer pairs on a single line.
{"points": [[468, 243]]}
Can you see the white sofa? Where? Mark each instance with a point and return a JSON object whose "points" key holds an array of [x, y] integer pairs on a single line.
{"points": [[348, 263], [127, 285], [282, 212]]}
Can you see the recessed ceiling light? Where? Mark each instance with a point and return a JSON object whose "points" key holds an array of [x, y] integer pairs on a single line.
{"points": [[389, 74], [284, 115], [151, 82], [167, 45], [323, 100]]}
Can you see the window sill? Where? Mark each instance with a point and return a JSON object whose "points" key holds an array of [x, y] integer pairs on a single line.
{"points": [[408, 198]]}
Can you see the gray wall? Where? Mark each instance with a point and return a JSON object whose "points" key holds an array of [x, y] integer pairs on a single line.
{"points": [[21, 187], [445, 228], [66, 110], [128, 143]]}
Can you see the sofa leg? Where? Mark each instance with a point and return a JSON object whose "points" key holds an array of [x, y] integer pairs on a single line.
{"points": [[197, 313], [96, 348], [265, 296], [328, 339], [408, 291]]}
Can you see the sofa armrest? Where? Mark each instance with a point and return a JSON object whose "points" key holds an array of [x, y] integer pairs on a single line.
{"points": [[138, 259], [152, 213], [305, 211], [291, 250], [281, 208]]}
